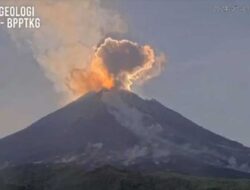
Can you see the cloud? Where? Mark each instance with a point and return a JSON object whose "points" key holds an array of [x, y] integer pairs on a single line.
{"points": [[75, 53], [69, 32], [116, 64]]}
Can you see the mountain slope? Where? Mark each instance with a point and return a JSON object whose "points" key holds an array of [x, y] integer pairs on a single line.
{"points": [[119, 128]]}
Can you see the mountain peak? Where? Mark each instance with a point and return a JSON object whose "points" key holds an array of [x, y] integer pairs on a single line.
{"points": [[106, 92], [117, 127]]}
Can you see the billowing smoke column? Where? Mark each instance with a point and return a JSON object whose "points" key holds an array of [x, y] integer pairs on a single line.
{"points": [[118, 64], [65, 47]]}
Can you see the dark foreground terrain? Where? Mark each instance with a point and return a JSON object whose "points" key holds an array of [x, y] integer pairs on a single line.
{"points": [[68, 177]]}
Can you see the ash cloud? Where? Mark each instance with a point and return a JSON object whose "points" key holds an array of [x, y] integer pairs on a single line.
{"points": [[121, 56], [69, 31], [66, 48], [128, 62], [116, 64]]}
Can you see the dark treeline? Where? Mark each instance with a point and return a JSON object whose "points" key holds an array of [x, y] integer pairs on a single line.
{"points": [[66, 177]]}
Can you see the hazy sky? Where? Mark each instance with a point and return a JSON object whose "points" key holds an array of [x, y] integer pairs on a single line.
{"points": [[206, 79]]}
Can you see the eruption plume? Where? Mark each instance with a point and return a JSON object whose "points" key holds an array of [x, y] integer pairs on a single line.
{"points": [[65, 47], [118, 64]]}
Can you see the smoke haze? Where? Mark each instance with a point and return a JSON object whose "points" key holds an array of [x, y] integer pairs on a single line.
{"points": [[65, 47]]}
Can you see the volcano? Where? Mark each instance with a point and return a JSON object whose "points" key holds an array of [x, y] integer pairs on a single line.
{"points": [[118, 128]]}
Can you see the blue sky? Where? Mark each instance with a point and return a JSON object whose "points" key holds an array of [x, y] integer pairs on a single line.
{"points": [[206, 78]]}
